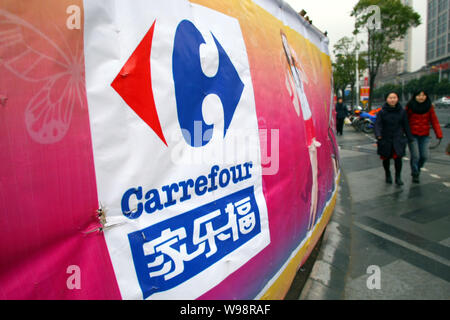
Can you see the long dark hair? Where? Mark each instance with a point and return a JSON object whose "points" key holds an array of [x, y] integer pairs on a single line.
{"points": [[417, 107]]}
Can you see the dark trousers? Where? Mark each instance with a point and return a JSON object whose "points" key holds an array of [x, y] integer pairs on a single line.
{"points": [[339, 125]]}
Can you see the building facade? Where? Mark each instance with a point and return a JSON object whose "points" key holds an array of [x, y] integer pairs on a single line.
{"points": [[438, 36]]}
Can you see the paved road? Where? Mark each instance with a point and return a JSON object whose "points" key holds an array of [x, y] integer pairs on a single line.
{"points": [[385, 241]]}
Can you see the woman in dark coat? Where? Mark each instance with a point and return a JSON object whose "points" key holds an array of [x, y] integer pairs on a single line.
{"points": [[341, 113], [392, 133]]}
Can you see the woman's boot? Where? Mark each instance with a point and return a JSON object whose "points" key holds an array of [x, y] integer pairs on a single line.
{"points": [[398, 172], [387, 171], [388, 177]]}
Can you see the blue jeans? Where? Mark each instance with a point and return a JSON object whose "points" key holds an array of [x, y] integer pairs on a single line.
{"points": [[419, 149]]}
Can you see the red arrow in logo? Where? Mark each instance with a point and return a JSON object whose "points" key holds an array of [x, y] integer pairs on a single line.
{"points": [[134, 84]]}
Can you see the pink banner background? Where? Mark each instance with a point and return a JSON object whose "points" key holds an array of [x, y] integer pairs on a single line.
{"points": [[48, 197]]}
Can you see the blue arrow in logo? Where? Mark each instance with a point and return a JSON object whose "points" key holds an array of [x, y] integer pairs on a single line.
{"points": [[192, 85]]}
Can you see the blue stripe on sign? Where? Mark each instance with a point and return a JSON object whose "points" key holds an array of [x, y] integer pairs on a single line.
{"points": [[171, 252]]}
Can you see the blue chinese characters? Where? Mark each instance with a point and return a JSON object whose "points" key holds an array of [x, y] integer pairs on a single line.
{"points": [[173, 251]]}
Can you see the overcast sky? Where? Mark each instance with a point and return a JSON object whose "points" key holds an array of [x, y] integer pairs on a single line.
{"points": [[334, 16]]}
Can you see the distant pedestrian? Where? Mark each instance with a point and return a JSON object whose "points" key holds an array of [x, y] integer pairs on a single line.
{"points": [[421, 115], [392, 133], [341, 114]]}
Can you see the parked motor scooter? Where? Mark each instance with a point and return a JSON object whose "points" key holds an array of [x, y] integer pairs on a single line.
{"points": [[367, 122], [355, 118]]}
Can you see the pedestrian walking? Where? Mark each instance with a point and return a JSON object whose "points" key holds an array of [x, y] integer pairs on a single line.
{"points": [[392, 133], [341, 114], [421, 115]]}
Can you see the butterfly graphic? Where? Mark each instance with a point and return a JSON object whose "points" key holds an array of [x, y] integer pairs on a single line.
{"points": [[32, 56]]}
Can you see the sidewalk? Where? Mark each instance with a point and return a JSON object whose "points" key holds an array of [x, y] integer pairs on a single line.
{"points": [[384, 241]]}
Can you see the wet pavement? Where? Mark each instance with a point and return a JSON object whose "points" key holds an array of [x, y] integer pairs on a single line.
{"points": [[385, 241]]}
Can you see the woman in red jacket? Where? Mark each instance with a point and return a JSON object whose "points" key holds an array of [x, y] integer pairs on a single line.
{"points": [[421, 115]]}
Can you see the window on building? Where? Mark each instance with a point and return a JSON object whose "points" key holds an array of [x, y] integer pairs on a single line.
{"points": [[431, 29], [430, 50], [431, 9], [442, 23], [443, 5], [448, 22], [440, 46], [448, 43]]}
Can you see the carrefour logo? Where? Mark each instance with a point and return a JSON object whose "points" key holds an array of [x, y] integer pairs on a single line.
{"points": [[172, 251], [173, 107], [192, 86]]}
